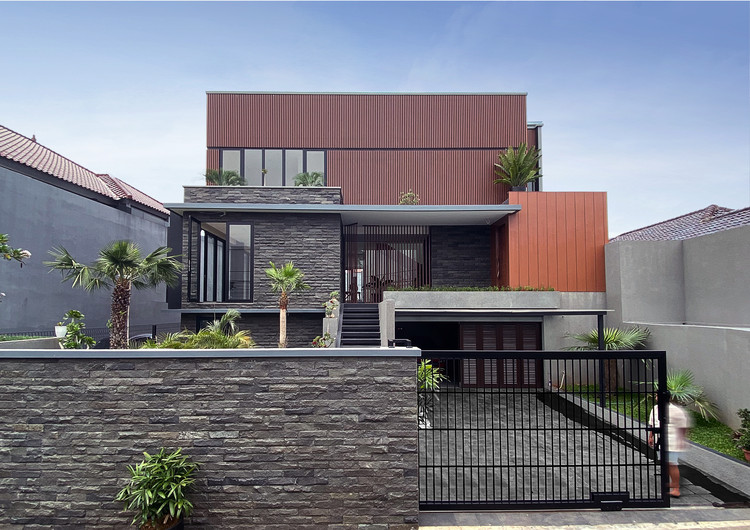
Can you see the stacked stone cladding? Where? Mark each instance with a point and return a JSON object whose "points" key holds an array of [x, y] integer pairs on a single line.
{"points": [[283, 443], [262, 195], [311, 241], [460, 256]]}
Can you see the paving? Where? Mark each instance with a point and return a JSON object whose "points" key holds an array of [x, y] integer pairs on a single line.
{"points": [[703, 504]]}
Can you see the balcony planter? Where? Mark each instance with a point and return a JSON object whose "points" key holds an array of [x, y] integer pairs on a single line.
{"points": [[60, 331]]}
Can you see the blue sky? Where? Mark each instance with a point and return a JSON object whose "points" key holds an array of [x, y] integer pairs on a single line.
{"points": [[648, 101]]}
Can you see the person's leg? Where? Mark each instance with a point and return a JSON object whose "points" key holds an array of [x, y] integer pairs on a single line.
{"points": [[674, 475]]}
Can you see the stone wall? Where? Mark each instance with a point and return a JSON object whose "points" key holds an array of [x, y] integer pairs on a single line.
{"points": [[301, 328], [263, 194], [460, 256], [283, 443], [312, 242]]}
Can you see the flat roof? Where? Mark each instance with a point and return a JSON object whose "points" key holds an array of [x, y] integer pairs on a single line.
{"points": [[373, 93], [479, 314], [371, 214]]}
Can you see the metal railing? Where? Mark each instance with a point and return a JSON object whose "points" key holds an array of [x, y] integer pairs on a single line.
{"points": [[99, 334], [521, 429]]}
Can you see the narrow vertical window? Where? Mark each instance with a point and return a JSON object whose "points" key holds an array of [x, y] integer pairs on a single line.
{"points": [[274, 166], [254, 167], [240, 246], [194, 230], [316, 162], [293, 165], [230, 160]]}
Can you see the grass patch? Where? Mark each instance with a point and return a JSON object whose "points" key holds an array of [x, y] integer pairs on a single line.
{"points": [[4, 338], [709, 433], [714, 434]]}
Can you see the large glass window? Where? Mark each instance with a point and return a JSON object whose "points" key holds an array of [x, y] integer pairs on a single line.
{"points": [[273, 167], [230, 160], [254, 167], [218, 251], [240, 247]]}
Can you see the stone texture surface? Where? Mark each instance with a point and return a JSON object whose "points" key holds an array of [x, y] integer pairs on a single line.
{"points": [[282, 443], [311, 241], [460, 256], [263, 194], [301, 329]]}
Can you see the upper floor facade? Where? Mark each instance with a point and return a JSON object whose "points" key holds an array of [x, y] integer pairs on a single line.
{"points": [[372, 146]]}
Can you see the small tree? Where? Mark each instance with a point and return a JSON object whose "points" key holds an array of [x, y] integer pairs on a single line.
{"points": [[309, 179], [119, 267], [517, 167], [224, 178], [285, 280], [8, 253]]}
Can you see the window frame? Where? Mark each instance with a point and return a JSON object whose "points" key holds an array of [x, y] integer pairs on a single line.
{"points": [[263, 150]]}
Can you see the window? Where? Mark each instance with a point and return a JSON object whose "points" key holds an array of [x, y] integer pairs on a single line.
{"points": [[280, 165], [217, 251]]}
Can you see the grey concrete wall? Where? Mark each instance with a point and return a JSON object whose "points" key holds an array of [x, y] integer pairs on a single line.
{"points": [[474, 299], [263, 194], [717, 278], [719, 358], [282, 442], [311, 241], [460, 256], [645, 281], [38, 217]]}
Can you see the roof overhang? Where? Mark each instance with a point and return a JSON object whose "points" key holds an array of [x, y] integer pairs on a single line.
{"points": [[370, 214]]}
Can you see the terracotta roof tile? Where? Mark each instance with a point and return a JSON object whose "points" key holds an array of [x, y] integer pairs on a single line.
{"points": [[698, 223], [23, 150]]}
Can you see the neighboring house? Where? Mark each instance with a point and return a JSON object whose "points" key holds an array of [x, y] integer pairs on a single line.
{"points": [[47, 200], [352, 236], [687, 280]]}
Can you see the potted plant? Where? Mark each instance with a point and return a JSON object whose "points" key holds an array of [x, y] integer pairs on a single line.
{"points": [[331, 304], [157, 490], [71, 335], [743, 438], [517, 167]]}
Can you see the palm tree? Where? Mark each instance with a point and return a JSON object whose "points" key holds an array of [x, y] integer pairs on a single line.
{"points": [[309, 179], [224, 178], [683, 389], [119, 267], [219, 334], [614, 339], [518, 167], [285, 280]]}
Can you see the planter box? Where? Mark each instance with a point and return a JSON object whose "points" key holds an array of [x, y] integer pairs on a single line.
{"points": [[474, 299]]}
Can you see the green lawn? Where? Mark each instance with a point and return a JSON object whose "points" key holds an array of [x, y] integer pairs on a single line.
{"points": [[709, 433], [16, 337]]}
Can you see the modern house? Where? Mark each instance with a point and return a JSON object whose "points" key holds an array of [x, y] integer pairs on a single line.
{"points": [[687, 280], [47, 200], [351, 234]]}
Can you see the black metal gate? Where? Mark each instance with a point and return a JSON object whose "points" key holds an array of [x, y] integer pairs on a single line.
{"points": [[578, 441]]}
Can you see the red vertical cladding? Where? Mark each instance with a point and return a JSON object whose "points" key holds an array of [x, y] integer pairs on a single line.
{"points": [[559, 240], [371, 121]]}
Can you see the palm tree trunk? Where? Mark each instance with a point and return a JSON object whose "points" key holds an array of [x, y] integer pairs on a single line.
{"points": [[120, 315], [283, 304]]}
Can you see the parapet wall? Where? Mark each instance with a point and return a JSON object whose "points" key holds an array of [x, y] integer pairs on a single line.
{"points": [[309, 440]]}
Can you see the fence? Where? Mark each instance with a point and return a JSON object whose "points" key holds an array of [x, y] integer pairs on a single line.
{"points": [[516, 429], [99, 334]]}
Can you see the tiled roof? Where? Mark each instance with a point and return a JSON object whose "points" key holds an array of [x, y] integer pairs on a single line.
{"points": [[28, 152], [699, 223]]}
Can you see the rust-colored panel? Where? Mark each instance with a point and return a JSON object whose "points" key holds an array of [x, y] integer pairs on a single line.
{"points": [[532, 136], [557, 240], [366, 120], [212, 159], [437, 176]]}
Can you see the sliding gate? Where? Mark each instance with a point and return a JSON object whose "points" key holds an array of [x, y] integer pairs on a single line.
{"points": [[580, 440]]}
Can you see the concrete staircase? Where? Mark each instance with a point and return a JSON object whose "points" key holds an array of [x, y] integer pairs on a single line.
{"points": [[360, 326]]}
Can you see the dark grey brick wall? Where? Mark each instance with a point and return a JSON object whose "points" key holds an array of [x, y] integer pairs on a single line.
{"points": [[460, 256], [283, 443], [312, 241], [301, 329], [263, 194]]}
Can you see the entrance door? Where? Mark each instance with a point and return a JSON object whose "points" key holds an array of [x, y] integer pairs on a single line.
{"points": [[515, 373]]}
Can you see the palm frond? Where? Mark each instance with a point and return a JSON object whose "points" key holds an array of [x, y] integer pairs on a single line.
{"points": [[614, 339], [517, 167], [224, 178], [286, 279], [683, 389], [79, 274]]}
